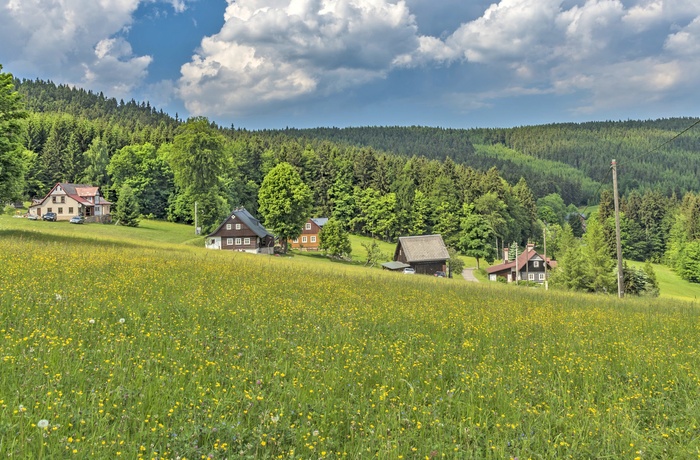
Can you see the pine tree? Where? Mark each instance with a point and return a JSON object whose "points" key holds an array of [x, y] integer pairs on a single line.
{"points": [[127, 208]]}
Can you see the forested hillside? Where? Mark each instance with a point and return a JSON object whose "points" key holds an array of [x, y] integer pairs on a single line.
{"points": [[568, 158], [481, 188]]}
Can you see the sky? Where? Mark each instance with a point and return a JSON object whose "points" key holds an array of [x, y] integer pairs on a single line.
{"points": [[260, 64]]}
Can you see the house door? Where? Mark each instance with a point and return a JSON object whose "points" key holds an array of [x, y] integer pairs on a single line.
{"points": [[38, 212]]}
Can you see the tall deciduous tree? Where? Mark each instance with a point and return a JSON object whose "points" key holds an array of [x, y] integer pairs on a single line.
{"points": [[12, 164], [284, 202], [96, 159], [476, 237], [198, 161], [335, 240]]}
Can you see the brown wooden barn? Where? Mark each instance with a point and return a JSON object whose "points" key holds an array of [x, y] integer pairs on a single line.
{"points": [[427, 254]]}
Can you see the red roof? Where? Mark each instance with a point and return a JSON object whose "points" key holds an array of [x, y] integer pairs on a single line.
{"points": [[522, 260]]}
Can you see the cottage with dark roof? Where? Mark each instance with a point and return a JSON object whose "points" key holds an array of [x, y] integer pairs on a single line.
{"points": [[241, 232], [310, 238], [528, 266], [426, 254], [70, 200]]}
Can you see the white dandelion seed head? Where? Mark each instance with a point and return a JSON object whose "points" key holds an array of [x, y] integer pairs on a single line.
{"points": [[275, 418], [58, 296], [91, 321], [43, 423], [122, 320], [315, 433]]}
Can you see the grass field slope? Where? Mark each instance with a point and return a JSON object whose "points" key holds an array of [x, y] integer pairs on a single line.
{"points": [[113, 346]]}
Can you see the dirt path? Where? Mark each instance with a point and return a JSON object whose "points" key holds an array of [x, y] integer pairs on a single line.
{"points": [[468, 274]]}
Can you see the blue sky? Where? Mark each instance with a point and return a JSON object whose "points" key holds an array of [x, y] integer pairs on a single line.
{"points": [[305, 63]]}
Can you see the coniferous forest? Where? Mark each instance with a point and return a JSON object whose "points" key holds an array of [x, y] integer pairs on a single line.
{"points": [[512, 183]]}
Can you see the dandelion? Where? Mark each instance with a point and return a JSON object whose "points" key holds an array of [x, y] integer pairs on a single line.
{"points": [[58, 297], [275, 418], [43, 423], [315, 433], [122, 320], [91, 321]]}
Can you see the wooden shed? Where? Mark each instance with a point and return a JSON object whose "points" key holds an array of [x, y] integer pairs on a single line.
{"points": [[427, 254]]}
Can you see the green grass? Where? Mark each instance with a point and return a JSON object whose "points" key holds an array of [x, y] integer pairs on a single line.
{"points": [[671, 286], [133, 347]]}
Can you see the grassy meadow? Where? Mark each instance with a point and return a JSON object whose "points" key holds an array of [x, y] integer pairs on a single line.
{"points": [[137, 343]]}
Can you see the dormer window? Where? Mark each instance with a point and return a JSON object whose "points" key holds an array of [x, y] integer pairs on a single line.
{"points": [[308, 226]]}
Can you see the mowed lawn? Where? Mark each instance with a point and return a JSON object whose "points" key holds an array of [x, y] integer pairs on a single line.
{"points": [[129, 347]]}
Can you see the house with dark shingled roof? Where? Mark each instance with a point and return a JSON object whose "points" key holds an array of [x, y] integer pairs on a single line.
{"points": [[241, 232], [528, 266], [426, 254]]}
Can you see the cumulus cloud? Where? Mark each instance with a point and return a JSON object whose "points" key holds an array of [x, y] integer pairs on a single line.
{"points": [[115, 68], [600, 48], [273, 51], [74, 41]]}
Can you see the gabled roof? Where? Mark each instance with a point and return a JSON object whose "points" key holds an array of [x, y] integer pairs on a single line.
{"points": [[395, 265], [320, 221], [522, 260], [76, 191], [424, 248], [248, 220]]}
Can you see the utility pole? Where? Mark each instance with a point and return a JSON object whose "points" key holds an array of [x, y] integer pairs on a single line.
{"points": [[196, 231], [516, 264], [620, 275], [544, 238]]}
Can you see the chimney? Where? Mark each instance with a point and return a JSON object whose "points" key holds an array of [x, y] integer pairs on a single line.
{"points": [[530, 247], [505, 254]]}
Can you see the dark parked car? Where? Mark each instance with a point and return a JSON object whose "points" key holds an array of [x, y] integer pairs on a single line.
{"points": [[77, 220], [49, 216], [440, 274]]}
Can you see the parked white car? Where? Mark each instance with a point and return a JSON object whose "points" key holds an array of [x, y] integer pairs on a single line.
{"points": [[409, 271]]}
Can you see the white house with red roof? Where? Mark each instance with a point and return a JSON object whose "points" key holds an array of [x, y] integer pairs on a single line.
{"points": [[69, 200]]}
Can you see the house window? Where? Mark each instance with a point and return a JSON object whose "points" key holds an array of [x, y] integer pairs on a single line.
{"points": [[304, 239], [229, 241], [308, 226], [238, 241], [60, 210], [246, 241], [53, 199], [541, 276], [531, 276], [536, 263], [228, 226], [63, 199], [295, 240], [238, 226], [70, 210], [313, 239], [49, 209]]}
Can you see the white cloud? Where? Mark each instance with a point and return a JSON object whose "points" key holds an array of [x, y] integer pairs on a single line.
{"points": [[273, 51], [685, 42], [74, 41], [115, 68]]}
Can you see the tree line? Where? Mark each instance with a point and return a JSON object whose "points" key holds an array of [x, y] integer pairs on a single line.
{"points": [[165, 165]]}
